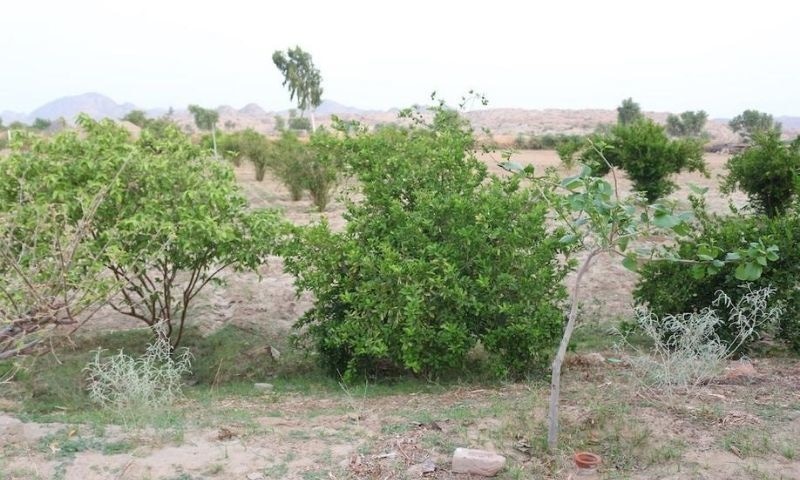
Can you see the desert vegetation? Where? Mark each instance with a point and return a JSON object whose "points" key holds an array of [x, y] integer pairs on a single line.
{"points": [[380, 296]]}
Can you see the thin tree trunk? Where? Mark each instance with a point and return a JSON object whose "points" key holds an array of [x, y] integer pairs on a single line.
{"points": [[313, 123], [214, 140], [555, 380]]}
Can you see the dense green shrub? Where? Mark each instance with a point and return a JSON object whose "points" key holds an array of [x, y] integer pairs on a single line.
{"points": [[672, 288], [323, 169], [644, 151], [629, 112], [436, 257], [687, 124], [768, 172], [290, 163], [171, 219], [752, 122], [547, 141]]}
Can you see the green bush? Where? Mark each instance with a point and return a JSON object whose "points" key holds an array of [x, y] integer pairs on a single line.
{"points": [[644, 151], [323, 168], [768, 172], [548, 141], [171, 218], [290, 163], [436, 257], [672, 288]]}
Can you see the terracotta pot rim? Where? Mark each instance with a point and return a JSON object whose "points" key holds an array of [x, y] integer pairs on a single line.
{"points": [[587, 459]]}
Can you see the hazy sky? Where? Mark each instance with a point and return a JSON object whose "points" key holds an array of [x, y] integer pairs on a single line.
{"points": [[721, 56]]}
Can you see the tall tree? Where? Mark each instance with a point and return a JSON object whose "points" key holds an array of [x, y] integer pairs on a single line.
{"points": [[302, 78], [628, 112], [206, 119]]}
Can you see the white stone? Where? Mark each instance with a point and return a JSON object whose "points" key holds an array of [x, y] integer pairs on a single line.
{"points": [[477, 462], [264, 387], [255, 476]]}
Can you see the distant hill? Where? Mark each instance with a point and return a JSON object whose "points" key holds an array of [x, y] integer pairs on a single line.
{"points": [[504, 123], [93, 104], [789, 123]]}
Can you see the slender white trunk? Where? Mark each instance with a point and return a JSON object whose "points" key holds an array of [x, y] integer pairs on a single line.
{"points": [[555, 379], [313, 123], [214, 140]]}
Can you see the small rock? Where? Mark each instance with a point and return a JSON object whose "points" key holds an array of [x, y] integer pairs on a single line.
{"points": [[477, 462], [420, 469], [255, 476], [263, 387], [739, 371]]}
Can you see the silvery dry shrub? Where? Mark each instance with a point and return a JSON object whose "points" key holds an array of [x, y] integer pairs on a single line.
{"points": [[687, 351], [123, 381]]}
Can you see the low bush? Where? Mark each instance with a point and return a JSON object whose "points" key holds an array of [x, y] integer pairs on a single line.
{"points": [[547, 141], [436, 257], [644, 151], [686, 348], [153, 379], [673, 288], [290, 163]]}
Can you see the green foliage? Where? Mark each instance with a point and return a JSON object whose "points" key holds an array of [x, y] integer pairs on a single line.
{"points": [[688, 124], [300, 124], [673, 288], [751, 122], [280, 123], [301, 76], [169, 224], [628, 112], [768, 171], [322, 170], [291, 161], [136, 117], [204, 118], [548, 141], [256, 148], [41, 124], [436, 257], [644, 151]]}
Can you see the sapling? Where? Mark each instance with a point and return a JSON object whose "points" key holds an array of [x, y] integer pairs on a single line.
{"points": [[601, 221]]}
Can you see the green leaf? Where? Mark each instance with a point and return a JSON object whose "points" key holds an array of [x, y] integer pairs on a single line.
{"points": [[666, 221], [748, 271], [512, 167], [630, 263], [698, 189], [568, 238], [732, 257]]}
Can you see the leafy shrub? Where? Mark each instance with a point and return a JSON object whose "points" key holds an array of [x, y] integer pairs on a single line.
{"points": [[548, 141], [171, 220], [687, 124], [290, 163], [151, 380], [323, 168], [687, 350], [752, 122], [768, 171], [673, 288], [300, 124], [629, 112], [644, 151], [437, 256]]}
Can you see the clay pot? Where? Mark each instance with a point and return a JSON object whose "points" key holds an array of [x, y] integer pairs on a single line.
{"points": [[586, 460]]}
